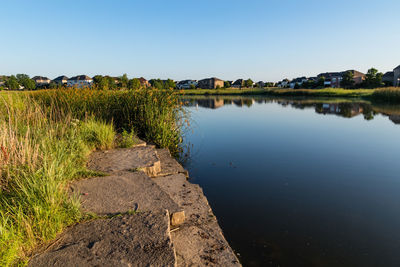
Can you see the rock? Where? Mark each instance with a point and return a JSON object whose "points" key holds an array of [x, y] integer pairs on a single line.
{"points": [[122, 192], [169, 165], [177, 218], [143, 158], [199, 240], [187, 195], [142, 239]]}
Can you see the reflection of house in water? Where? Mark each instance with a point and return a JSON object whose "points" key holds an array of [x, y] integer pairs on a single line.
{"points": [[348, 110], [210, 103]]}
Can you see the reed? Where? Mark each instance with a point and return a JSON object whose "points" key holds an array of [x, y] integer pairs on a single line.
{"points": [[390, 94], [45, 139]]}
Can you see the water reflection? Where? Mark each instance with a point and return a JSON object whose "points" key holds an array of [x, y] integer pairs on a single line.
{"points": [[339, 107], [300, 182]]}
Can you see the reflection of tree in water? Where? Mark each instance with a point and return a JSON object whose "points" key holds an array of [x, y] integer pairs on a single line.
{"points": [[343, 109], [368, 112]]}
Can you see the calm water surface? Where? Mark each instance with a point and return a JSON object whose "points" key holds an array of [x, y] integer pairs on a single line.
{"points": [[300, 183]]}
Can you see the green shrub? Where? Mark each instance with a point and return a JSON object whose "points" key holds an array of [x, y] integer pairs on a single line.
{"points": [[127, 139]]}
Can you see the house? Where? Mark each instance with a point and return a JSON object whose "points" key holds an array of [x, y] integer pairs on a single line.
{"points": [[61, 80], [358, 77], [80, 81], [144, 83], [333, 79], [210, 83], [298, 81], [41, 81], [396, 76], [260, 84], [284, 83], [238, 83], [388, 78], [186, 84]]}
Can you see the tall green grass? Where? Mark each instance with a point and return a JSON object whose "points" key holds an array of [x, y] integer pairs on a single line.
{"points": [[390, 94], [45, 139], [155, 115]]}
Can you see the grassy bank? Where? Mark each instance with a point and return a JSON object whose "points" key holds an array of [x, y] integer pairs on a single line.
{"points": [[328, 92], [45, 138], [391, 95]]}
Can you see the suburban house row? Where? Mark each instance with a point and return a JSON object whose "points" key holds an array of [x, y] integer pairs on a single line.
{"points": [[333, 79], [81, 81]]}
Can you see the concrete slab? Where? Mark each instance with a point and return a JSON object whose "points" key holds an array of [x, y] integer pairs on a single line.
{"points": [[143, 158], [141, 239], [169, 165], [122, 192]]}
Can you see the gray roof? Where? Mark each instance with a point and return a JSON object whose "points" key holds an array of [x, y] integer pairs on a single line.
{"points": [[40, 78], [80, 78], [238, 82], [61, 78], [389, 74], [398, 67]]}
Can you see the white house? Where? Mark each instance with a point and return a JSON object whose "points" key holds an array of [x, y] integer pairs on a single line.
{"points": [[186, 84], [284, 83], [61, 80], [40, 80], [80, 81], [298, 81]]}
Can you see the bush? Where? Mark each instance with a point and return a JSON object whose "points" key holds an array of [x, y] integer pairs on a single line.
{"points": [[127, 139]]}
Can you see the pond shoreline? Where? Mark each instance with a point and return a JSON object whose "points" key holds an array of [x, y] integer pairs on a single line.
{"points": [[390, 94], [156, 194]]}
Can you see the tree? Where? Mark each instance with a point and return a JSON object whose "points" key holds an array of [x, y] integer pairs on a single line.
{"points": [[321, 82], [12, 83], [168, 84], [134, 84], [373, 78], [100, 82], [227, 84], [248, 83], [25, 81], [111, 82], [124, 81], [156, 83], [348, 80]]}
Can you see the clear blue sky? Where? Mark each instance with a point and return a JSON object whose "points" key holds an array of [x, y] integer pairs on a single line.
{"points": [[263, 40]]}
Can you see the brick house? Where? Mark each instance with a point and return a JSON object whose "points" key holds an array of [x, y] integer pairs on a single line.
{"points": [[210, 83], [144, 83], [333, 79]]}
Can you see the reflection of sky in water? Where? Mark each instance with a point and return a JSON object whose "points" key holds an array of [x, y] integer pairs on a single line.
{"points": [[300, 188]]}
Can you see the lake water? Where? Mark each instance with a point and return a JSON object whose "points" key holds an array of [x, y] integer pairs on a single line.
{"points": [[297, 182]]}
